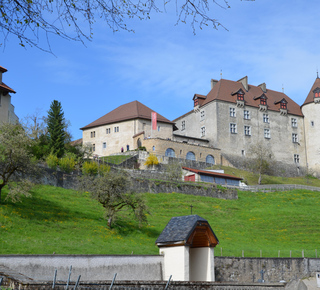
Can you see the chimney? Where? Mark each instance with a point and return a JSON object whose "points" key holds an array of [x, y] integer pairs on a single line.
{"points": [[263, 87], [213, 83], [244, 82]]}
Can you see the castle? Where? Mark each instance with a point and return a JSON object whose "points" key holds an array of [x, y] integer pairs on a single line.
{"points": [[221, 128]]}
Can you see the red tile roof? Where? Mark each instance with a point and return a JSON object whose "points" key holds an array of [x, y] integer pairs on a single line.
{"points": [[210, 173], [2, 69], [310, 96], [129, 111], [225, 90], [4, 87]]}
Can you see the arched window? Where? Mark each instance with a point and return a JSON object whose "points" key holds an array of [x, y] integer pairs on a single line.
{"points": [[190, 156], [210, 159], [170, 153]]}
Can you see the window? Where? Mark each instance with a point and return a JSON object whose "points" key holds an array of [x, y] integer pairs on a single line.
{"points": [[296, 158], [247, 130], [243, 153], [240, 97], [312, 123], [232, 112], [191, 156], [93, 134], [266, 118], [246, 114], [317, 93], [294, 122], [170, 153], [104, 145], [202, 115], [108, 131], [93, 147], [267, 133], [183, 125], [158, 128], [116, 129], [283, 105], [153, 148], [203, 131], [263, 101], [233, 128], [294, 138], [210, 159]]}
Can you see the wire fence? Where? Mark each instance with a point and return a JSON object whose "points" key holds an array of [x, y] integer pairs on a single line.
{"points": [[278, 187], [256, 253]]}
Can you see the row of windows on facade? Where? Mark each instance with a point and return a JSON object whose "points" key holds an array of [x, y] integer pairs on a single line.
{"points": [[267, 134], [266, 119], [296, 157], [190, 155], [108, 131], [246, 116]]}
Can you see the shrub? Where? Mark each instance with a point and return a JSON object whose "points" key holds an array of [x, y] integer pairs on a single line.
{"points": [[52, 161], [90, 168], [152, 160], [104, 169], [67, 164]]}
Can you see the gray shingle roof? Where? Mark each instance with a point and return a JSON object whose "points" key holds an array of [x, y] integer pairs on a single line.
{"points": [[179, 229]]}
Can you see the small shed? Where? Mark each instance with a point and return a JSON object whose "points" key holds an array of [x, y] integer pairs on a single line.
{"points": [[191, 174], [187, 243]]}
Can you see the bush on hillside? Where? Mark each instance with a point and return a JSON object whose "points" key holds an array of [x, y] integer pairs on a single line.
{"points": [[152, 160], [52, 161]]}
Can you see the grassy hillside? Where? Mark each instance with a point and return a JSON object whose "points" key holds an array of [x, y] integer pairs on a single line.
{"points": [[67, 222]]}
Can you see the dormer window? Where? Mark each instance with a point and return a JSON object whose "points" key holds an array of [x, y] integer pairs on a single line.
{"points": [[240, 97], [316, 95], [283, 106], [196, 102], [263, 101]]}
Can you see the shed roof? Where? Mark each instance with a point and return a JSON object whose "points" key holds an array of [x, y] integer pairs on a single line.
{"points": [[129, 111], [211, 173], [190, 230]]}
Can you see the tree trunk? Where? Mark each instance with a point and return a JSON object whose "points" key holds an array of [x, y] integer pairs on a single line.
{"points": [[109, 221], [259, 180]]}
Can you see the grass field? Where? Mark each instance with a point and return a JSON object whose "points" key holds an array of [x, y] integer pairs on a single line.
{"points": [[67, 222]]}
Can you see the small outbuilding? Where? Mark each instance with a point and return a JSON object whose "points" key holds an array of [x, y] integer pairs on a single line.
{"points": [[187, 244], [191, 174]]}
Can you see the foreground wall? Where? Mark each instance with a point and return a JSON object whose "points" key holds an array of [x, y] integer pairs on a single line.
{"points": [[90, 267], [233, 269]]}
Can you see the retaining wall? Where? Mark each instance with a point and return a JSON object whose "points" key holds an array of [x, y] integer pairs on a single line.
{"points": [[90, 267]]}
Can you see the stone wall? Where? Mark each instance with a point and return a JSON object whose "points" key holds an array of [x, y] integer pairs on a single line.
{"points": [[233, 269]]}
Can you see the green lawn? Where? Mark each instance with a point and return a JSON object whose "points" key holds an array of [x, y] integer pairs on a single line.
{"points": [[67, 222]]}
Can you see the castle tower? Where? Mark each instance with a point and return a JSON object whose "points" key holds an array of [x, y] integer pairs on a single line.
{"points": [[311, 112]]}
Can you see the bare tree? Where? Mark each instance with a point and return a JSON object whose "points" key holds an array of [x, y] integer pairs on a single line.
{"points": [[32, 20], [114, 192], [261, 158]]}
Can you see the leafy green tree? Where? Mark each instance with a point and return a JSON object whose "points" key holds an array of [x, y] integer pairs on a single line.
{"points": [[16, 161], [114, 192], [56, 129]]}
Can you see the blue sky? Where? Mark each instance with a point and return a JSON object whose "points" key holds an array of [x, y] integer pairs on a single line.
{"points": [[163, 65]]}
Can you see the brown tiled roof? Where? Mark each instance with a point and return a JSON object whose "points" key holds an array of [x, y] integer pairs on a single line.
{"points": [[4, 87], [76, 142], [225, 90], [129, 111], [310, 96], [2, 69], [210, 173]]}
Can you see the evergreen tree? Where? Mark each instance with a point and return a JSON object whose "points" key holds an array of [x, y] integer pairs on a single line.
{"points": [[56, 128]]}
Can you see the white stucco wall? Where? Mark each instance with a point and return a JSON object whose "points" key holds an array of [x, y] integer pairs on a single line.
{"points": [[311, 114], [7, 114], [202, 264], [176, 262]]}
